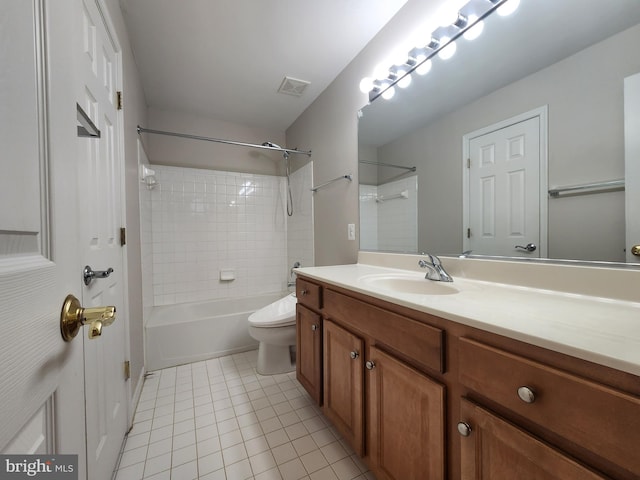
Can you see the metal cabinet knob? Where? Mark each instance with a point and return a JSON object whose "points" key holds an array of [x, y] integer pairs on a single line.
{"points": [[73, 316], [314, 327], [370, 365], [304, 292], [354, 355], [464, 429], [526, 394], [636, 250]]}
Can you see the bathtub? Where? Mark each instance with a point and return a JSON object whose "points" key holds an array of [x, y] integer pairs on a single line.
{"points": [[190, 332]]}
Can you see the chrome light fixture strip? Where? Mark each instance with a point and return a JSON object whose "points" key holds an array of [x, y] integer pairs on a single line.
{"points": [[480, 8]]}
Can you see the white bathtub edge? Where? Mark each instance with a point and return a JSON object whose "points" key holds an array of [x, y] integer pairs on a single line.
{"points": [[161, 363]]}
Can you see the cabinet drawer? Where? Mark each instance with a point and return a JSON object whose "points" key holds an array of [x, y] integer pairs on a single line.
{"points": [[413, 339], [594, 416], [309, 294]]}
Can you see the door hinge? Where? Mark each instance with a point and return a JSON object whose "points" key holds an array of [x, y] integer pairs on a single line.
{"points": [[468, 163], [123, 236], [119, 100], [127, 370], [468, 233]]}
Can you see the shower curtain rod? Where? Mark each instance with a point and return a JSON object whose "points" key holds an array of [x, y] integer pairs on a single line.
{"points": [[220, 140], [411, 169]]}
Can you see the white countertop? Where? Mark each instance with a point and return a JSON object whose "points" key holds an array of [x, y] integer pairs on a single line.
{"points": [[601, 330]]}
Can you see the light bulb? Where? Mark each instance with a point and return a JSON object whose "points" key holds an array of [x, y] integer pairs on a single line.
{"points": [[447, 52], [508, 7], [424, 68], [421, 57], [405, 81], [366, 84], [475, 31], [389, 93]]}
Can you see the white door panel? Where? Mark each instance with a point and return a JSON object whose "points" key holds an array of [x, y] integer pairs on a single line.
{"points": [[38, 244], [503, 204], [99, 172], [632, 164], [60, 208]]}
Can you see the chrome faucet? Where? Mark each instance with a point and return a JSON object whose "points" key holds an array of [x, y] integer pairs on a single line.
{"points": [[292, 275], [435, 270]]}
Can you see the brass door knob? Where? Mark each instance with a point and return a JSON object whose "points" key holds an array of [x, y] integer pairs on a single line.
{"points": [[636, 250], [73, 316]]}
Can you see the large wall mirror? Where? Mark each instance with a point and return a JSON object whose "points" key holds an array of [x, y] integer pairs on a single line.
{"points": [[543, 90]]}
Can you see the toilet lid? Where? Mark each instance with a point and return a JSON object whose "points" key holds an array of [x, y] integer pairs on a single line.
{"points": [[280, 313]]}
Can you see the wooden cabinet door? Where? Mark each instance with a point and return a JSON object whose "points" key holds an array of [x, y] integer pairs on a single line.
{"points": [[343, 383], [406, 420], [498, 450], [309, 351]]}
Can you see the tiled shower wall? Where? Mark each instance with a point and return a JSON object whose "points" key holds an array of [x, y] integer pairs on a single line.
{"points": [[205, 223], [390, 225]]}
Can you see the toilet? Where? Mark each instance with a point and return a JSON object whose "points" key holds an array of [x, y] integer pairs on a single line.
{"points": [[274, 326]]}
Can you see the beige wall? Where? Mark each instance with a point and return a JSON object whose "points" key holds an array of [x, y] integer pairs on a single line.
{"points": [[329, 127], [585, 145], [180, 152], [134, 113]]}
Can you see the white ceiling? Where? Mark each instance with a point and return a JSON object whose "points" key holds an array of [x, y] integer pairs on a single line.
{"points": [[226, 59]]}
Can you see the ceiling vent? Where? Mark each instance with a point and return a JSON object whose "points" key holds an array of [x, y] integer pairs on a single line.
{"points": [[293, 86]]}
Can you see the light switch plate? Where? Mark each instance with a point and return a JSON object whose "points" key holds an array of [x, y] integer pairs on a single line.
{"points": [[351, 231]]}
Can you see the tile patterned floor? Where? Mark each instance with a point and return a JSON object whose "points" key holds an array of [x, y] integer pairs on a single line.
{"points": [[220, 420]]}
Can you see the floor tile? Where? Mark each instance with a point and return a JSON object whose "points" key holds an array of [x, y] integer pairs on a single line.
{"points": [[220, 420], [132, 472], [273, 474], [256, 445], [284, 453], [262, 462], [345, 469], [314, 461], [239, 471], [210, 463], [230, 439], [234, 454], [292, 470], [325, 474]]}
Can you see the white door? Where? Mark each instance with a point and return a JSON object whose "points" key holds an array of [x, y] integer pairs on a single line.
{"points": [[100, 217], [504, 211], [632, 164], [41, 376]]}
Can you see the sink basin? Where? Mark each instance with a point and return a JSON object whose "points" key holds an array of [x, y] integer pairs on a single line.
{"points": [[416, 284]]}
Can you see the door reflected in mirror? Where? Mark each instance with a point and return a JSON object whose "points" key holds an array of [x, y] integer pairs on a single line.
{"points": [[574, 71]]}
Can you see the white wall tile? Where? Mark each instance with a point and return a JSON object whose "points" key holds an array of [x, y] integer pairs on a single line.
{"points": [[198, 222]]}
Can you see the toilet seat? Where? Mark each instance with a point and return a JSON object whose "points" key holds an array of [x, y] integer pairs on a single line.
{"points": [[281, 313]]}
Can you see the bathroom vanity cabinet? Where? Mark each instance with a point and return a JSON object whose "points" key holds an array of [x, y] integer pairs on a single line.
{"points": [[418, 396]]}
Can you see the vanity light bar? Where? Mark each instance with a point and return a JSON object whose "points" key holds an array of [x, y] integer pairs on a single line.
{"points": [[470, 15]]}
